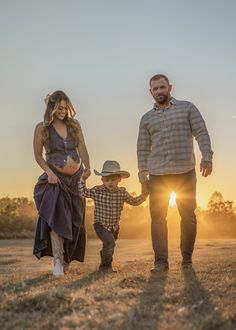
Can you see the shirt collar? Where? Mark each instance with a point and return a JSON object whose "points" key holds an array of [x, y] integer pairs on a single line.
{"points": [[107, 190], [172, 101]]}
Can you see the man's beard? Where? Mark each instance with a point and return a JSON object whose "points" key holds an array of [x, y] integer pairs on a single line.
{"points": [[162, 99]]}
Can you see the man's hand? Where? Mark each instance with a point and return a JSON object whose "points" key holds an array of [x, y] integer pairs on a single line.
{"points": [[144, 189], [205, 168]]}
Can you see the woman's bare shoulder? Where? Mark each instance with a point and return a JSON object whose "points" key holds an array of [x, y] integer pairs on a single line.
{"points": [[39, 126]]}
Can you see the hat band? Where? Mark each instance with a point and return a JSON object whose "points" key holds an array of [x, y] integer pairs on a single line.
{"points": [[110, 172]]}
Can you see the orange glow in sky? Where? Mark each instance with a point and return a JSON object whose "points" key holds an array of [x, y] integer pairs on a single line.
{"points": [[106, 75]]}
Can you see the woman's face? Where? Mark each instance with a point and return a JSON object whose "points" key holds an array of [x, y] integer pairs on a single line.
{"points": [[61, 110]]}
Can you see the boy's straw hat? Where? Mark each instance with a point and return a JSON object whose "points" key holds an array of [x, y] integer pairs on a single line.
{"points": [[111, 167]]}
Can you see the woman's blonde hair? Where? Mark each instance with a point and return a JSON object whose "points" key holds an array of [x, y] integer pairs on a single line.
{"points": [[73, 126]]}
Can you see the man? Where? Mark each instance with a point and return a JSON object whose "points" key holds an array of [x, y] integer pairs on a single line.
{"points": [[166, 162]]}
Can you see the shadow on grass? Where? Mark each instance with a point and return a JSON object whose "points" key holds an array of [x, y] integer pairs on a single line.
{"points": [[47, 307], [198, 309], [146, 313], [9, 262], [23, 285]]}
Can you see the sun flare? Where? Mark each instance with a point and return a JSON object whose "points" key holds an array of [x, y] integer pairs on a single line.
{"points": [[172, 199]]}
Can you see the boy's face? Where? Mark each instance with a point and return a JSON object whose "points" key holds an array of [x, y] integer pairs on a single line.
{"points": [[111, 181]]}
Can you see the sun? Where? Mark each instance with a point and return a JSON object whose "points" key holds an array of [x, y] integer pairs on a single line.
{"points": [[172, 199]]}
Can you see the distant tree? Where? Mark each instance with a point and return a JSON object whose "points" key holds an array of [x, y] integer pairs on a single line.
{"points": [[218, 206], [17, 215], [219, 219], [7, 207], [217, 197]]}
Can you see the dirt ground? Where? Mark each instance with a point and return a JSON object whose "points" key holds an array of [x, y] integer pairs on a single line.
{"points": [[132, 298]]}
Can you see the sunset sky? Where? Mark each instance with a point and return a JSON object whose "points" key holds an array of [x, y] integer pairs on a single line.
{"points": [[102, 54]]}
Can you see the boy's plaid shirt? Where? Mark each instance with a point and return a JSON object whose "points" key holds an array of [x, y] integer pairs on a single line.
{"points": [[108, 205]]}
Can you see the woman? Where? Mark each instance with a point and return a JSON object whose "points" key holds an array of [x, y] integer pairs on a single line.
{"points": [[60, 229]]}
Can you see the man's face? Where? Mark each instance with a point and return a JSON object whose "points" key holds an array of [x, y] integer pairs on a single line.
{"points": [[160, 90]]}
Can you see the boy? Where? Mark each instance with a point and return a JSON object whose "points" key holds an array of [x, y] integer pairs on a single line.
{"points": [[108, 204]]}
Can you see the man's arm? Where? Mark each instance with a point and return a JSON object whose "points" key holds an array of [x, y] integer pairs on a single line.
{"points": [[143, 151], [200, 133]]}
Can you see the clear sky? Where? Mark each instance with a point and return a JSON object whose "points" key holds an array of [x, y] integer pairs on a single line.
{"points": [[102, 54]]}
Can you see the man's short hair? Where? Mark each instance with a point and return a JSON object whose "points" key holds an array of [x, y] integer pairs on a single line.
{"points": [[157, 77]]}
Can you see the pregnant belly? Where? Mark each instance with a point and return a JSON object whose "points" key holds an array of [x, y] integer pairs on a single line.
{"points": [[70, 168]]}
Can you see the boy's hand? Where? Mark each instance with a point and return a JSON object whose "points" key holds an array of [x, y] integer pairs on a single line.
{"points": [[145, 195]]}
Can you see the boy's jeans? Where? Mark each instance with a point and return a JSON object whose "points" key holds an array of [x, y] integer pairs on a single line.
{"points": [[160, 187], [108, 238]]}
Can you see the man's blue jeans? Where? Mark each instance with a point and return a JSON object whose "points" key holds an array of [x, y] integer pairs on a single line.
{"points": [[160, 187]]}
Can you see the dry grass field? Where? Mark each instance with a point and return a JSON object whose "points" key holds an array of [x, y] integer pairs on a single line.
{"points": [[132, 298]]}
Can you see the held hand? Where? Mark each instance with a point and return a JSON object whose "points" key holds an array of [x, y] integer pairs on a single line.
{"points": [[144, 189], [52, 178], [145, 195], [86, 174], [205, 168]]}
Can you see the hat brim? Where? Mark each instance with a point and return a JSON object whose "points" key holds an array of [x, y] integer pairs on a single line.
{"points": [[123, 174]]}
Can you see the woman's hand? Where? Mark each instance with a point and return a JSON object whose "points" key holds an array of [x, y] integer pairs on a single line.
{"points": [[52, 178], [86, 174]]}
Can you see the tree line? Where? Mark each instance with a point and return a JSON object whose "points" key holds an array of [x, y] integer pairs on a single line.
{"points": [[18, 217]]}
